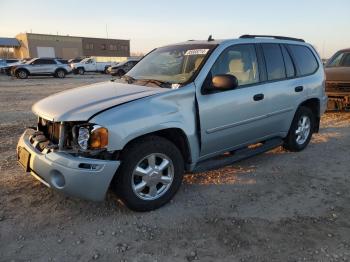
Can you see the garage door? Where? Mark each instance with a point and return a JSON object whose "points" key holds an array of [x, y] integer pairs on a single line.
{"points": [[44, 51]]}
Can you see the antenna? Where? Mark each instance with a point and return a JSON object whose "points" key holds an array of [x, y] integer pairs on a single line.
{"points": [[210, 38]]}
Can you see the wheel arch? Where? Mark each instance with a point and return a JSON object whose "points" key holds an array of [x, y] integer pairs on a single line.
{"points": [[314, 105], [23, 69], [60, 68], [175, 135]]}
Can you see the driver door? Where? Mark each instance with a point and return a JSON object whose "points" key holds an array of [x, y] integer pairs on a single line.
{"points": [[233, 118]]}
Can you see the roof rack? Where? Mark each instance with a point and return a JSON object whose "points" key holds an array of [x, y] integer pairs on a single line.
{"points": [[273, 36]]}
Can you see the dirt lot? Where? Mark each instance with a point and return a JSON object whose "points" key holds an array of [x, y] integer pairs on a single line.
{"points": [[278, 206]]}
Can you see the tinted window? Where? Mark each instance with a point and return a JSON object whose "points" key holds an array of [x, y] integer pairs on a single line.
{"points": [[346, 60], [304, 60], [290, 71], [240, 61], [37, 62], [274, 61], [48, 62], [335, 60], [62, 61]]}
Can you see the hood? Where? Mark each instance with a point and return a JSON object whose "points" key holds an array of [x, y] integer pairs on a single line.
{"points": [[79, 104], [337, 74]]}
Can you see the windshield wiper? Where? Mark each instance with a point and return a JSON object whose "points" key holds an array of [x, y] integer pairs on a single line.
{"points": [[128, 79], [159, 83]]}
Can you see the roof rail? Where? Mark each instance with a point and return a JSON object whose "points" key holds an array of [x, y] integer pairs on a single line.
{"points": [[273, 36]]}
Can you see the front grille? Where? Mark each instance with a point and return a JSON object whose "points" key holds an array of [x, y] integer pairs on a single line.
{"points": [[50, 129], [337, 87]]}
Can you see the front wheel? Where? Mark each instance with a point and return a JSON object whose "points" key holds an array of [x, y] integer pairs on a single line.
{"points": [[22, 74], [150, 174], [301, 130], [81, 71], [60, 73]]}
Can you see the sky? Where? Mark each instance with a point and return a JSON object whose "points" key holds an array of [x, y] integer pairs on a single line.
{"points": [[153, 23]]}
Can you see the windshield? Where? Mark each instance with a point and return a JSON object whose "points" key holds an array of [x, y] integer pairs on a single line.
{"points": [[31, 60], [172, 64]]}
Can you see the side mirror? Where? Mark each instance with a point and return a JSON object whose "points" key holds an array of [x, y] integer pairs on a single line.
{"points": [[224, 82]]}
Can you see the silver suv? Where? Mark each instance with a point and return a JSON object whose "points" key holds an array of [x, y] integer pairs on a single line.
{"points": [[41, 67], [187, 107]]}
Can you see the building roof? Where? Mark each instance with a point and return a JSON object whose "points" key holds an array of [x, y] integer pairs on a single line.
{"points": [[9, 42]]}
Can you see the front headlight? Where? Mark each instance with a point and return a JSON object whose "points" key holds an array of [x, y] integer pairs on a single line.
{"points": [[92, 137], [83, 137]]}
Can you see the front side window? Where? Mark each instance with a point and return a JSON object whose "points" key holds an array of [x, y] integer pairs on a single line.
{"points": [[173, 64], [304, 59], [274, 61], [240, 61], [335, 60]]}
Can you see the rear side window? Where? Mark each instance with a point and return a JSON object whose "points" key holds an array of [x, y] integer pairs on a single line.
{"points": [[304, 59], [290, 70], [274, 61], [346, 60]]}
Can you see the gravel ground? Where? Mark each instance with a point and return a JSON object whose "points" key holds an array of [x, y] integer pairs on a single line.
{"points": [[278, 206]]}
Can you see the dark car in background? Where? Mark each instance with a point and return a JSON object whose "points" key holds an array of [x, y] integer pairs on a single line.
{"points": [[7, 64], [338, 80], [122, 68]]}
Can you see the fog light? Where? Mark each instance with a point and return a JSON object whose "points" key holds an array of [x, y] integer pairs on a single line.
{"points": [[57, 179]]}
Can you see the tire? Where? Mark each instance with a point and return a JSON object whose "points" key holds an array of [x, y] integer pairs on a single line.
{"points": [[22, 74], [303, 123], [149, 188], [60, 73], [81, 71]]}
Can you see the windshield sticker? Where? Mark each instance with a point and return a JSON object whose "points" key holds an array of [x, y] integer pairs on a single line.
{"points": [[197, 52]]}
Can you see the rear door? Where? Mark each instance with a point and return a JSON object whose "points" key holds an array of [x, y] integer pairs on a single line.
{"points": [[289, 70], [49, 66], [233, 118]]}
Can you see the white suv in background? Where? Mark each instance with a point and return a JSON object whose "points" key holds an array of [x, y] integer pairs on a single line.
{"points": [[42, 67]]}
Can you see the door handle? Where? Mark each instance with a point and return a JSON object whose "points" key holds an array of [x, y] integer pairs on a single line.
{"points": [[258, 97], [299, 89]]}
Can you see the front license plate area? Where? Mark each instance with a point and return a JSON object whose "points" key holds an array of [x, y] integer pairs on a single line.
{"points": [[24, 158]]}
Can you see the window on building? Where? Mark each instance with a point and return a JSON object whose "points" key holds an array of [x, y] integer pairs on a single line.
{"points": [[113, 47], [103, 47], [89, 46]]}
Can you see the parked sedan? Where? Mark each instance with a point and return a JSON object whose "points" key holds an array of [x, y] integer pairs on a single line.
{"points": [[122, 68], [338, 80], [41, 66]]}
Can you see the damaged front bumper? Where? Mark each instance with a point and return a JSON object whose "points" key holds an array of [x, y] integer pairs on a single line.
{"points": [[85, 178]]}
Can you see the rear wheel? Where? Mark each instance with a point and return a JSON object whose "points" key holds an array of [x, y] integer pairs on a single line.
{"points": [[150, 173], [22, 74], [60, 73], [301, 130]]}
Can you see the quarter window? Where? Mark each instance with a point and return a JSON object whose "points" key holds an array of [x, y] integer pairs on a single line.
{"points": [[304, 59], [274, 61], [240, 61]]}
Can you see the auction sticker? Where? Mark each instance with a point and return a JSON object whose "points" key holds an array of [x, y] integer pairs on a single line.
{"points": [[197, 52]]}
